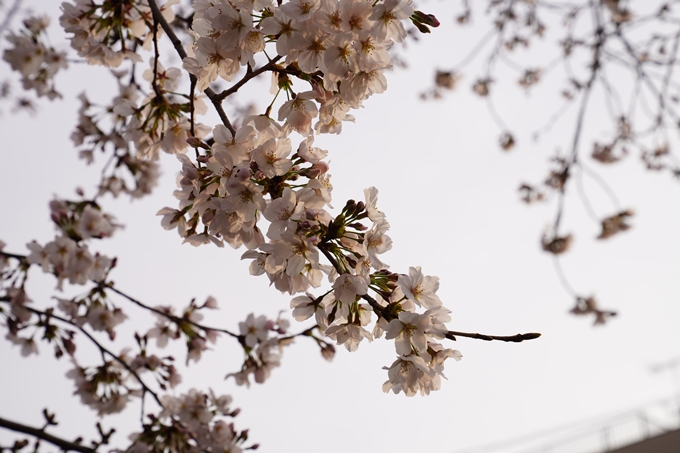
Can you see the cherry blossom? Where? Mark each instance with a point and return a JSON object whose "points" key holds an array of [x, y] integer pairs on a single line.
{"points": [[420, 288], [236, 180]]}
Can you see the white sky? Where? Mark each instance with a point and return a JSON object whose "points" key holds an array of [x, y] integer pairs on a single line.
{"points": [[450, 196]]}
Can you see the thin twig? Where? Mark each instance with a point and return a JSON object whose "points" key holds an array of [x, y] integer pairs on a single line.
{"points": [[384, 312], [305, 333], [473, 53], [595, 66], [603, 185], [65, 445], [249, 75], [451, 335], [173, 318], [156, 56], [562, 277], [584, 198]]}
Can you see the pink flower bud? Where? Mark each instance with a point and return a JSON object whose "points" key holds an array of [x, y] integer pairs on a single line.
{"points": [[322, 167]]}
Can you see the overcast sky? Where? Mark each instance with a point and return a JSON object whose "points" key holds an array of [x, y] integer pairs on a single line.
{"points": [[450, 195]]}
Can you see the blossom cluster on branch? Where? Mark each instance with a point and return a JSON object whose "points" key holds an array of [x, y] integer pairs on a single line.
{"points": [[330, 56], [622, 55]]}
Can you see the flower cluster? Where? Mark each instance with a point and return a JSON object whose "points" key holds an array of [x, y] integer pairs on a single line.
{"points": [[94, 310], [420, 364], [255, 185], [251, 174], [157, 122], [92, 26], [339, 46], [129, 174], [103, 388], [171, 327], [37, 62], [227, 194], [262, 350], [67, 256], [191, 421], [242, 175]]}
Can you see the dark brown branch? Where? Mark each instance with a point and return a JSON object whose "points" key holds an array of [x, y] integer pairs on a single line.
{"points": [[173, 318], [384, 312], [156, 57], [65, 445], [177, 44], [305, 333], [249, 75], [12, 255], [377, 308], [192, 115], [329, 256], [451, 335]]}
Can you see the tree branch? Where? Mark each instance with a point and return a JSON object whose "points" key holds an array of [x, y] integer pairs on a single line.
{"points": [[451, 335], [173, 318], [249, 75], [65, 445], [177, 44], [10, 15], [101, 348], [13, 255], [596, 64]]}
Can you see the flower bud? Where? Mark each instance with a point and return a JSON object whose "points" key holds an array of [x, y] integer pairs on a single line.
{"points": [[328, 351], [210, 302], [426, 19], [350, 206], [196, 142], [321, 167], [311, 173]]}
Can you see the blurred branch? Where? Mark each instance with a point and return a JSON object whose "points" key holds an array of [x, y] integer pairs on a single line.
{"points": [[173, 318], [13, 10], [65, 445]]}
